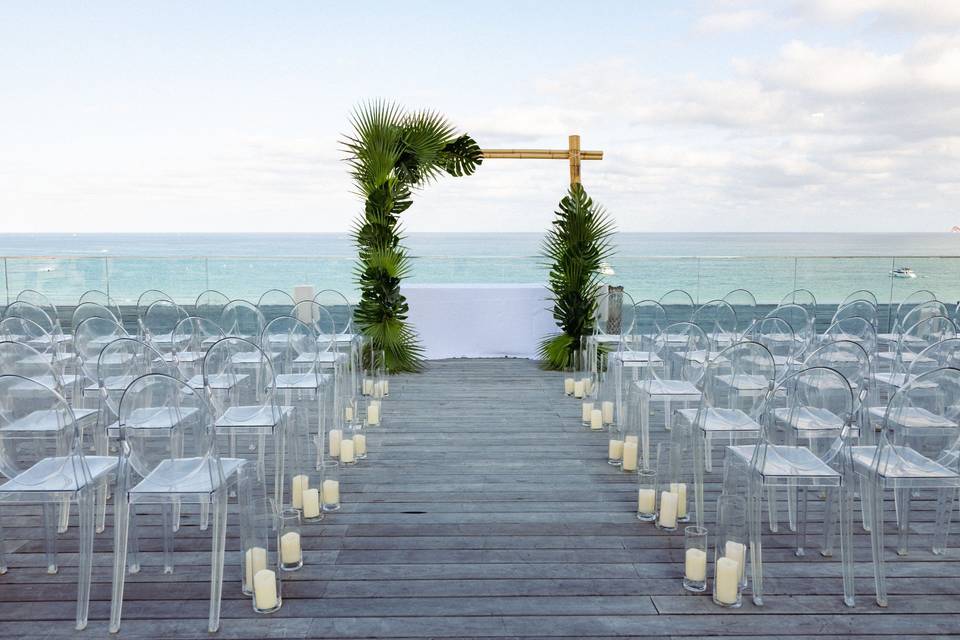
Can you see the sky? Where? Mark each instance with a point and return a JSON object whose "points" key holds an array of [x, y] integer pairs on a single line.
{"points": [[726, 115]]}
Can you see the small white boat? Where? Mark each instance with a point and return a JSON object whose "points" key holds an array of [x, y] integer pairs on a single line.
{"points": [[903, 272], [606, 269]]}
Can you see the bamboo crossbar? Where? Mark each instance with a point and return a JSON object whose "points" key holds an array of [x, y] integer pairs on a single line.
{"points": [[540, 154]]}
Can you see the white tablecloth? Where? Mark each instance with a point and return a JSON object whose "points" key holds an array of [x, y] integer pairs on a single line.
{"points": [[480, 320]]}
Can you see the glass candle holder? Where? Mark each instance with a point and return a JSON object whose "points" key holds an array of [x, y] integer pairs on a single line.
{"points": [[291, 553], [586, 413], [330, 486], [732, 538], [310, 500], [260, 542], [350, 410], [568, 380], [695, 559], [373, 413], [359, 437], [646, 495], [614, 445]]}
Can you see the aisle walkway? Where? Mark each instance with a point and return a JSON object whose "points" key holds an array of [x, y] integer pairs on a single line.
{"points": [[484, 510]]}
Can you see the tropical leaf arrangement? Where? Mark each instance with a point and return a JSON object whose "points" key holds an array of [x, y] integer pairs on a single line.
{"points": [[392, 153], [575, 247]]}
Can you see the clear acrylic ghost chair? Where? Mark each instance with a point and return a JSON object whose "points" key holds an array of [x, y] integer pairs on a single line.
{"points": [[169, 476], [42, 454], [772, 465], [242, 319], [634, 347], [898, 321], [734, 387], [275, 303], [328, 358], [678, 305], [853, 329], [29, 311], [34, 297], [914, 339], [861, 294], [608, 321], [144, 301], [745, 307], [243, 395], [17, 329], [90, 337], [86, 310], [103, 299], [158, 323], [858, 309], [803, 298], [801, 323], [718, 320], [655, 387], [191, 338], [209, 304], [346, 340], [918, 449]]}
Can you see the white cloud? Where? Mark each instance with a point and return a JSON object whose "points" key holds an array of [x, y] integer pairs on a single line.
{"points": [[939, 14]]}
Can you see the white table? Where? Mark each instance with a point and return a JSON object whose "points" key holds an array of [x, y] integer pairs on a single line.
{"points": [[480, 320]]}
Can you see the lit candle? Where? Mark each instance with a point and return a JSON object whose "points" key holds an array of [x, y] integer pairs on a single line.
{"points": [[360, 445], [336, 435], [290, 548], [615, 449], [680, 488], [646, 500], [630, 446], [346, 452], [695, 566], [331, 492], [368, 386], [736, 551], [727, 580], [578, 389], [568, 386], [587, 411], [311, 503], [298, 485], [256, 559], [348, 414], [607, 412], [373, 413], [668, 510], [596, 420], [265, 589]]}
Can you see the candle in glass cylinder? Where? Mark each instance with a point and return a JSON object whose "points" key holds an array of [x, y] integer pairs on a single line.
{"points": [[668, 510], [311, 503], [680, 488], [346, 452], [727, 579], [578, 389], [265, 589], [385, 387], [587, 386], [736, 551], [630, 447], [568, 386], [290, 552], [335, 435], [368, 386], [607, 408], [596, 420], [615, 449], [299, 484], [348, 414], [695, 565], [331, 492], [360, 445], [646, 500], [587, 410], [373, 413], [256, 559]]}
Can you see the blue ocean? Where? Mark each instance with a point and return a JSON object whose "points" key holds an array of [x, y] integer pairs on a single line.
{"points": [[646, 264]]}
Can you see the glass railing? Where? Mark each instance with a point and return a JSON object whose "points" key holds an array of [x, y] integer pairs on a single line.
{"points": [[830, 278]]}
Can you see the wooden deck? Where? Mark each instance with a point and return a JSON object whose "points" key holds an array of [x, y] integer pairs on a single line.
{"points": [[484, 510]]}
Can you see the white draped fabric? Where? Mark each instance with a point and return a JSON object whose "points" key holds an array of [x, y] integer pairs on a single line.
{"points": [[480, 320]]}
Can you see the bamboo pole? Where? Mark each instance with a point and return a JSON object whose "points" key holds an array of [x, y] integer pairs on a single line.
{"points": [[574, 159], [538, 154]]}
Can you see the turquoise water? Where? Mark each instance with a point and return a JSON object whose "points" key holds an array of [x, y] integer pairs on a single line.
{"points": [[647, 264]]}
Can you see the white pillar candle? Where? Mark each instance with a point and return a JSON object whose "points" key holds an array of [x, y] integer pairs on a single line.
{"points": [[256, 559], [736, 551], [615, 449], [359, 444], [596, 420], [568, 386], [578, 389], [311, 503], [299, 484], [331, 492], [336, 435], [607, 409], [346, 451], [695, 565], [668, 510], [368, 386], [646, 500], [348, 414], [727, 579], [373, 413], [680, 488], [630, 447], [587, 386], [587, 410], [290, 552], [386, 387], [265, 589]]}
